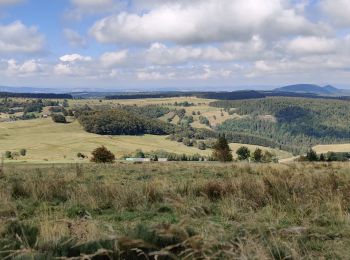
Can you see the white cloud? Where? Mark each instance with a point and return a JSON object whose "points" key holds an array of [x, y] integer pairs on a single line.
{"points": [[144, 75], [110, 59], [159, 53], [63, 70], [24, 69], [18, 38], [337, 10], [74, 38], [204, 21], [312, 45], [76, 65], [74, 57]]}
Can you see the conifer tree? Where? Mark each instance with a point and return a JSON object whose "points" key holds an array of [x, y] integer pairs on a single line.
{"points": [[243, 153], [258, 155], [311, 156], [222, 151]]}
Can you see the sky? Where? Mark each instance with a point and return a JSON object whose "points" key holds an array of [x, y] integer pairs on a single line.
{"points": [[174, 44]]}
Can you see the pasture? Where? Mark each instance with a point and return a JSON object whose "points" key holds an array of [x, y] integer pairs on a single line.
{"points": [[46, 141], [338, 148]]}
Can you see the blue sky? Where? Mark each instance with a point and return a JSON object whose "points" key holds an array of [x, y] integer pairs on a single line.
{"points": [[153, 44]]}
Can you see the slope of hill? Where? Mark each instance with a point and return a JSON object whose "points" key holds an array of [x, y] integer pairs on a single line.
{"points": [[310, 88], [299, 122], [48, 142]]}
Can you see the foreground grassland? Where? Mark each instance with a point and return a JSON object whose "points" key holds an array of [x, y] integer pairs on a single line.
{"points": [[47, 141], [176, 210]]}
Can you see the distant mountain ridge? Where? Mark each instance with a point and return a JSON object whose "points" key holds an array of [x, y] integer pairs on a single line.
{"points": [[311, 88]]}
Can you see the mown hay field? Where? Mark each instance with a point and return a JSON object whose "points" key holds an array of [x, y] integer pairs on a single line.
{"points": [[339, 148], [175, 210]]}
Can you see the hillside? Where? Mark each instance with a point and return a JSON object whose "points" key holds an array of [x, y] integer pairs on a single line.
{"points": [[293, 124], [310, 88], [47, 142]]}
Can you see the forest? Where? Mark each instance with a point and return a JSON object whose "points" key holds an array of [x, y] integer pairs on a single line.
{"points": [[122, 122], [35, 95], [223, 95], [294, 124], [235, 95]]}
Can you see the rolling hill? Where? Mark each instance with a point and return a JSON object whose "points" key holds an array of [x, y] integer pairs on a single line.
{"points": [[310, 88]]}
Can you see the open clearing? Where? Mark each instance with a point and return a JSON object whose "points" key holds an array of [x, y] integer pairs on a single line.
{"points": [[47, 141], [338, 148]]}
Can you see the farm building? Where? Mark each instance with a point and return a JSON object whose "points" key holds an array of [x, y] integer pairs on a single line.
{"points": [[138, 159]]}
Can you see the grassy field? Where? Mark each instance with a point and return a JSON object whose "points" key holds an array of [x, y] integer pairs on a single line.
{"points": [[47, 141], [44, 139], [340, 148], [200, 104], [140, 102], [176, 211]]}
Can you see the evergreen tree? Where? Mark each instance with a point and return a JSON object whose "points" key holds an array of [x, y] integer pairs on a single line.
{"points": [[311, 155], [222, 151], [322, 158], [243, 153], [258, 155]]}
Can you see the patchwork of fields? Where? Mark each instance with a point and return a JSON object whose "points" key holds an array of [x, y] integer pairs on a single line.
{"points": [[46, 141]]}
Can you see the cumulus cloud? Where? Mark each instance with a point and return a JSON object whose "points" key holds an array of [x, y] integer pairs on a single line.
{"points": [[203, 21], [337, 10], [110, 59], [74, 57], [312, 45], [74, 38], [161, 54], [26, 68], [198, 41], [18, 38], [103, 66]]}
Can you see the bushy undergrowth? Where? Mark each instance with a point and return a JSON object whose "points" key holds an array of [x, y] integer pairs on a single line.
{"points": [[175, 211]]}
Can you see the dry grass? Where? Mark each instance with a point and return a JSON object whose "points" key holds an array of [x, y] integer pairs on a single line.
{"points": [[218, 211], [340, 148], [46, 141]]}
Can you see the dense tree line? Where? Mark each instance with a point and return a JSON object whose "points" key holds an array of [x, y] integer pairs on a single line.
{"points": [[122, 122], [184, 104], [28, 106], [235, 95], [299, 123], [312, 156], [35, 95], [149, 111]]}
